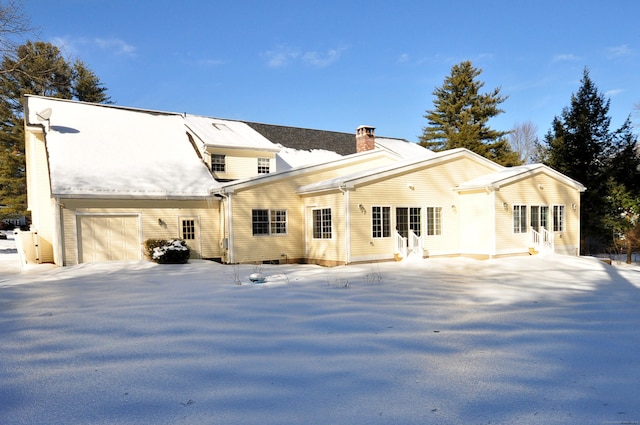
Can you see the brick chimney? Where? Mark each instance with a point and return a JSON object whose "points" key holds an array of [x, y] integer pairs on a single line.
{"points": [[365, 138]]}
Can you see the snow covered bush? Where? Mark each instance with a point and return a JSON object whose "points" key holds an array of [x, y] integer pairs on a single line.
{"points": [[167, 251]]}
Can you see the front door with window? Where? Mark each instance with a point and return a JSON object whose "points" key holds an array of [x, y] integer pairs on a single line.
{"points": [[540, 217], [189, 228], [408, 218]]}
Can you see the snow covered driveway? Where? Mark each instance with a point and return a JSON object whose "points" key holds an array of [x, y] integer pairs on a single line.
{"points": [[526, 340]]}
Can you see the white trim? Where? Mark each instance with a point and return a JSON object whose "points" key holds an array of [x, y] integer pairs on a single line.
{"points": [[196, 231], [494, 225], [230, 253], [347, 236]]}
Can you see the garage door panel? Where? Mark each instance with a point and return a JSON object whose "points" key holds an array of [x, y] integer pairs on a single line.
{"points": [[108, 238]]}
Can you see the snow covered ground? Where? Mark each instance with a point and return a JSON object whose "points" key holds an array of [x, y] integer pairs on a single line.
{"points": [[525, 340]]}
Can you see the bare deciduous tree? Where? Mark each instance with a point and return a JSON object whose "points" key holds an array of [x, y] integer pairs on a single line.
{"points": [[14, 24], [524, 140]]}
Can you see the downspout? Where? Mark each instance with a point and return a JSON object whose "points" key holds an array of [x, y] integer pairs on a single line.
{"points": [[230, 230], [347, 212], [492, 252], [58, 246]]}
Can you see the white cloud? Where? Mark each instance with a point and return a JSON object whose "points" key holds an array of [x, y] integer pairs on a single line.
{"points": [[115, 45], [73, 46], [322, 59], [284, 55], [404, 58], [565, 57], [211, 62], [281, 56], [618, 51], [613, 92]]}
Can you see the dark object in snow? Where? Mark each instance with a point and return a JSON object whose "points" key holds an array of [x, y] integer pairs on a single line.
{"points": [[256, 278]]}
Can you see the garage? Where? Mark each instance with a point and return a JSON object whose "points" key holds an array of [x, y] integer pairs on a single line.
{"points": [[108, 238]]}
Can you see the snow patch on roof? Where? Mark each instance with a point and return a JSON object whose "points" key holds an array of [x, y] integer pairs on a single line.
{"points": [[289, 158], [402, 147]]}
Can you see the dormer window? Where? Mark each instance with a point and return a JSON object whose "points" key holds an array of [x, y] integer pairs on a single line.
{"points": [[264, 166], [218, 163]]}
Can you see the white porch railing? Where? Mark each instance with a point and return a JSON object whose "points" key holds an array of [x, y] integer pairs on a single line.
{"points": [[415, 244], [542, 240], [405, 246], [400, 246]]}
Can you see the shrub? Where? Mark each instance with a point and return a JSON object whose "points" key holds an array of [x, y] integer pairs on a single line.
{"points": [[167, 251]]}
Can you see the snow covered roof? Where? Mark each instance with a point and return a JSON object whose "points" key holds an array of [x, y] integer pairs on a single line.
{"points": [[289, 158], [510, 174], [109, 151], [350, 180], [230, 187], [228, 134], [402, 147]]}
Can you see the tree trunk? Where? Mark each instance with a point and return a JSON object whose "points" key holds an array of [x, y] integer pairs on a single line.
{"points": [[628, 250]]}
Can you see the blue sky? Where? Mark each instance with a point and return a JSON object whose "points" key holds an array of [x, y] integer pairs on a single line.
{"points": [[334, 65]]}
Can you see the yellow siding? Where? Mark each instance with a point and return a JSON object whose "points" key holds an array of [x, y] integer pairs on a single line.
{"points": [[476, 214], [327, 251], [431, 186], [159, 220], [281, 195], [540, 189], [39, 195], [240, 164]]}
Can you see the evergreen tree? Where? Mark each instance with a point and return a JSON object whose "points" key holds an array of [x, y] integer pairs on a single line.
{"points": [[87, 86], [581, 145], [461, 114], [622, 216], [34, 68]]}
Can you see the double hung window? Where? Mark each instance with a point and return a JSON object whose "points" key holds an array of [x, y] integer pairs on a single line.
{"points": [[269, 222]]}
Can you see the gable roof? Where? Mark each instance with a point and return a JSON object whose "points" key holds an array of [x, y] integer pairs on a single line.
{"points": [[349, 181], [511, 174], [100, 151], [230, 187]]}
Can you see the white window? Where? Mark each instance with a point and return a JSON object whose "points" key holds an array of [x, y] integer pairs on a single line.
{"points": [[519, 219], [380, 222], [322, 226], [434, 221], [558, 218], [269, 222], [218, 163], [264, 166]]}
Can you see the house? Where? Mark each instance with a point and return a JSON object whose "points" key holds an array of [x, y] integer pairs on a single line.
{"points": [[102, 179]]}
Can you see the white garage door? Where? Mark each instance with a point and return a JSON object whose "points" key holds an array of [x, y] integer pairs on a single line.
{"points": [[108, 238]]}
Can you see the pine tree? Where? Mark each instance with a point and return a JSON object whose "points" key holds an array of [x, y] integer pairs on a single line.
{"points": [[622, 216], [581, 145], [461, 114], [34, 68], [87, 86]]}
